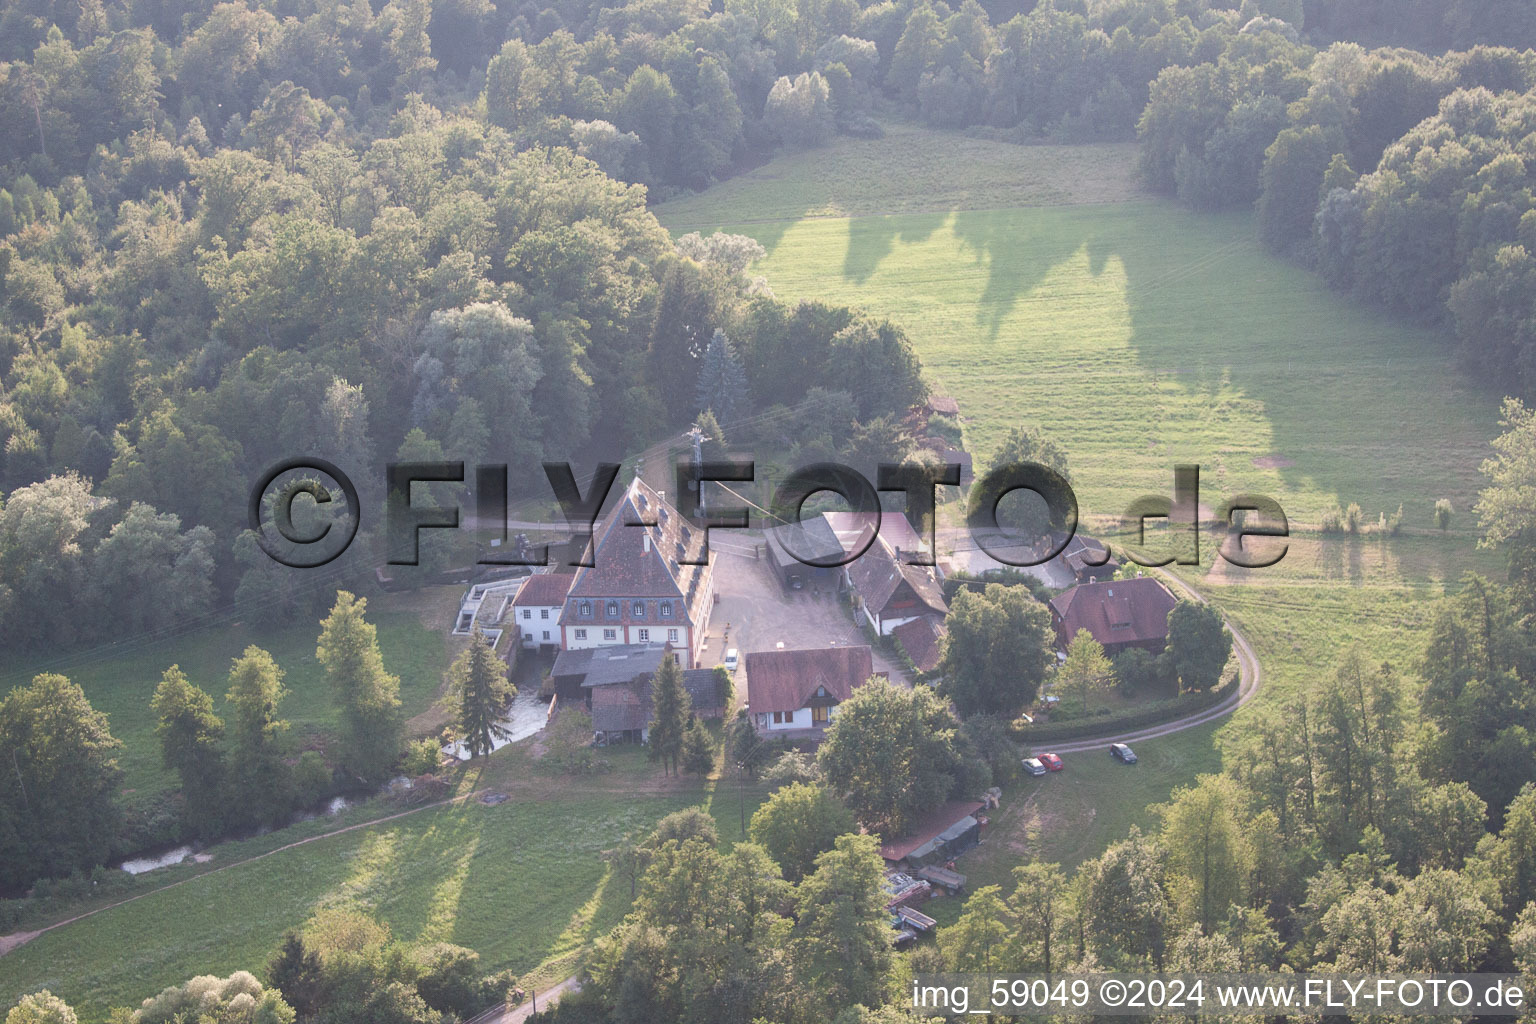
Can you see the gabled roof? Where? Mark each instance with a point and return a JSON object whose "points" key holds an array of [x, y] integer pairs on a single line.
{"points": [[1115, 611], [921, 638], [816, 540], [1082, 553], [787, 680], [545, 589], [627, 705], [637, 552], [894, 529], [878, 574]]}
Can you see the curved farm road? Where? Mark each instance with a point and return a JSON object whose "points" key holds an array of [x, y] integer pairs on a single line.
{"points": [[1249, 677]]}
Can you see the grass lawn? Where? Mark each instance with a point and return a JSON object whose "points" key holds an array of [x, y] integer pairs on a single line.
{"points": [[1138, 334], [1069, 816], [523, 883], [122, 683]]}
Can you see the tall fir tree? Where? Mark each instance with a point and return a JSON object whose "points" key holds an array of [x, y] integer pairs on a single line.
{"points": [[722, 381], [481, 690], [670, 709], [367, 696]]}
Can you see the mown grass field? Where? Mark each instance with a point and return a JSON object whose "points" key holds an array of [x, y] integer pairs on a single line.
{"points": [[523, 883], [1138, 334], [121, 682]]}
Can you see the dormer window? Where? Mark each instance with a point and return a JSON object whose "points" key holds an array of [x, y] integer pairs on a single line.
{"points": [[585, 608], [612, 610], [638, 609], [666, 609]]}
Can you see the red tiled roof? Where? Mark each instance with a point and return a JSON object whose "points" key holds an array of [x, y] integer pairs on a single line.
{"points": [[930, 825], [920, 639], [785, 680], [1115, 611], [637, 553], [546, 589], [877, 576]]}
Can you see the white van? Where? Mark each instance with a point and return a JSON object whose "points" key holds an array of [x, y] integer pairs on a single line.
{"points": [[732, 658]]}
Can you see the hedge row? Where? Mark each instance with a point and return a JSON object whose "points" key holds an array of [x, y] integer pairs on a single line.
{"points": [[1179, 707]]}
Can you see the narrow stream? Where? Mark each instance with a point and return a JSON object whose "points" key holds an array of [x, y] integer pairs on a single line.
{"points": [[526, 716]]}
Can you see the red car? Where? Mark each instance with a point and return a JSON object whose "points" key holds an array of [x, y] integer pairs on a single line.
{"points": [[1052, 762]]}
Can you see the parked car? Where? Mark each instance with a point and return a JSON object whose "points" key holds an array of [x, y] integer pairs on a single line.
{"points": [[732, 659], [1034, 766], [1122, 753], [1052, 762]]}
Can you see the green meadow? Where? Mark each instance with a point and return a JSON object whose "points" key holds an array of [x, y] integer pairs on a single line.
{"points": [[1138, 334], [120, 679], [521, 883]]}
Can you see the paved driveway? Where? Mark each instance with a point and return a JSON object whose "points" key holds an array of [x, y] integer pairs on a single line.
{"points": [[754, 613]]}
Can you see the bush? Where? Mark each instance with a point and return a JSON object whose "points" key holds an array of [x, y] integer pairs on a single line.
{"points": [[1352, 518], [421, 758], [1333, 520], [1443, 513], [312, 780], [1137, 718], [1140, 671], [860, 126]]}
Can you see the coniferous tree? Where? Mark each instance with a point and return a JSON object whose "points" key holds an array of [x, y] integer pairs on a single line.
{"points": [[670, 709], [297, 973], [722, 381], [698, 750], [367, 696], [481, 690]]}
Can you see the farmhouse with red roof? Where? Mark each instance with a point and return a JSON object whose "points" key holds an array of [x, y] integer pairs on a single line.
{"points": [[800, 690], [1120, 614], [639, 589]]}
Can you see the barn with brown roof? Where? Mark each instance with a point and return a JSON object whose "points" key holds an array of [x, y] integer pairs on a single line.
{"points": [[891, 591], [923, 640], [621, 712], [800, 690], [1120, 614]]}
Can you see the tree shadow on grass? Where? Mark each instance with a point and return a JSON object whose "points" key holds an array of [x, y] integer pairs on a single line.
{"points": [[1338, 385], [872, 239]]}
